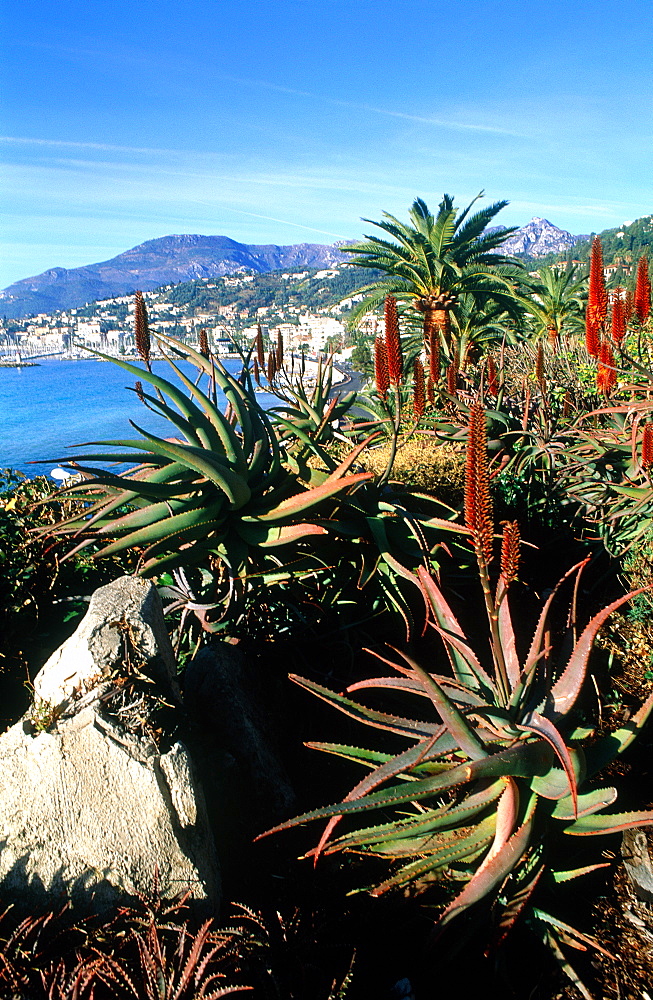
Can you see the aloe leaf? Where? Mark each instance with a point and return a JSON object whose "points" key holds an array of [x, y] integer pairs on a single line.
{"points": [[535, 723], [231, 484], [457, 848], [571, 932], [572, 873], [147, 515], [380, 720], [604, 751], [554, 784], [456, 816], [512, 762], [567, 688], [461, 695], [453, 719], [507, 637], [587, 826], [218, 432], [271, 537], [535, 651], [587, 803], [468, 673], [489, 877], [166, 527], [192, 413], [514, 907], [310, 498]]}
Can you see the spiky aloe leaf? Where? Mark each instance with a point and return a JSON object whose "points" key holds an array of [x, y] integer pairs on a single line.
{"points": [[519, 761], [604, 751], [587, 803], [554, 784], [166, 527], [266, 536], [464, 662], [538, 724], [205, 429], [310, 498], [566, 689], [453, 719], [405, 828], [572, 873], [588, 826], [456, 691], [380, 720], [455, 847], [207, 464]]}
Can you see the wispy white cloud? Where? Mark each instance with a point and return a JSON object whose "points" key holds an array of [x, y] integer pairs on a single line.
{"points": [[99, 146]]}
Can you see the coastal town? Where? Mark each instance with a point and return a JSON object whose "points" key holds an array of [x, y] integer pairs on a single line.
{"points": [[305, 308]]}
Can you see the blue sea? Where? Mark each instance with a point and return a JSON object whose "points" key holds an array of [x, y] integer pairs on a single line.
{"points": [[47, 411]]}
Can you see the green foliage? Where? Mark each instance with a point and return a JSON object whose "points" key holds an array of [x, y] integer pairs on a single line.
{"points": [[235, 497], [434, 255], [492, 774]]}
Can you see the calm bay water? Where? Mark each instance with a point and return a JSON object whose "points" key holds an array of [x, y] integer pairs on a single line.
{"points": [[46, 410]]}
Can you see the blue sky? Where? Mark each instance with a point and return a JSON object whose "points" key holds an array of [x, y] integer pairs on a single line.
{"points": [[286, 121]]}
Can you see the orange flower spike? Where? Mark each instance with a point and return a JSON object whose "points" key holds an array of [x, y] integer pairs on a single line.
{"points": [[279, 358], [204, 343], [434, 355], [452, 378], [393, 341], [647, 446], [492, 377], [478, 502], [381, 368], [510, 551], [642, 299], [419, 393], [141, 330], [260, 355], [597, 299], [430, 391], [606, 375], [618, 320]]}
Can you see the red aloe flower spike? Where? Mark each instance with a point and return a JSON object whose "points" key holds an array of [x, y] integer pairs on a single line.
{"points": [[452, 379], [434, 355], [141, 330], [257, 372], [629, 305], [419, 396], [647, 446], [204, 343], [606, 375], [272, 366], [539, 366], [138, 386], [279, 350], [510, 551], [597, 299], [492, 377], [393, 341], [260, 355], [381, 376], [618, 320], [642, 300], [430, 391], [478, 503]]}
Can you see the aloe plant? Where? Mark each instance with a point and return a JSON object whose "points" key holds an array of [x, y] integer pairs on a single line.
{"points": [[498, 767], [227, 495]]}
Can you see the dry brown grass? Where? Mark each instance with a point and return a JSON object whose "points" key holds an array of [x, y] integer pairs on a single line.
{"points": [[424, 463]]}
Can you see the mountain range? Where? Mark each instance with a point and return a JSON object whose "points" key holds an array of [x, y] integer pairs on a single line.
{"points": [[171, 259]]}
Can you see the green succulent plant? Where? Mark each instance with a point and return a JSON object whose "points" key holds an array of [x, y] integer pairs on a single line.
{"points": [[499, 765], [227, 495]]}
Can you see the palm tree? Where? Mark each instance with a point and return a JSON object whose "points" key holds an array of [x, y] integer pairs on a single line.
{"points": [[556, 302], [436, 259]]}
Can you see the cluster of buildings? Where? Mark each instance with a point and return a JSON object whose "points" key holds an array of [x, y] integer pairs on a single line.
{"points": [[108, 325]]}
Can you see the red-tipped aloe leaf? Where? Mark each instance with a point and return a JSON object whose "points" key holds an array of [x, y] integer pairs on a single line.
{"points": [[589, 826], [567, 688], [544, 728], [587, 804], [487, 879], [299, 503]]}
